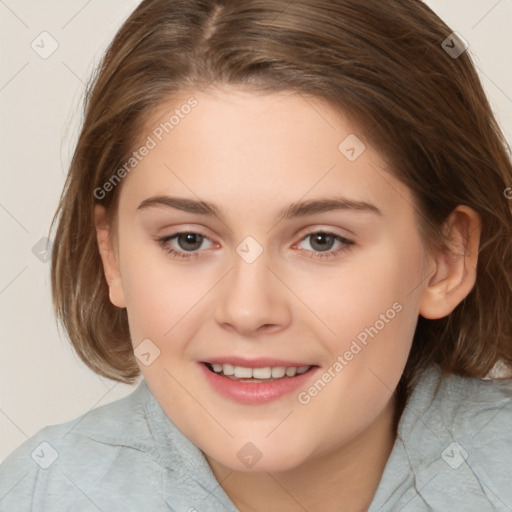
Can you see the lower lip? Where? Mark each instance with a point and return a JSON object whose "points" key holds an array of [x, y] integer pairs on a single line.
{"points": [[255, 392]]}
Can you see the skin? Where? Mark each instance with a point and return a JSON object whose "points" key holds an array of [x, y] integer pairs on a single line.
{"points": [[253, 155]]}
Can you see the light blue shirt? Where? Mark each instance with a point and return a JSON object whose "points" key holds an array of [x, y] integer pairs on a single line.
{"points": [[453, 452]]}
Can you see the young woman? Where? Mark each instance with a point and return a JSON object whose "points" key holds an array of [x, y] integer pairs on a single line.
{"points": [[293, 219]]}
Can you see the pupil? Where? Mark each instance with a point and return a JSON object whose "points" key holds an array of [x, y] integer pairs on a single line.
{"points": [[323, 237], [189, 238]]}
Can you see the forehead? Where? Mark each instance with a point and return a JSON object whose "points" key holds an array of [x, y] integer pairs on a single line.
{"points": [[228, 144], [229, 118]]}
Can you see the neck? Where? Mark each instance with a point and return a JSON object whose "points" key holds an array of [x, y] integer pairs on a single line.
{"points": [[348, 475]]}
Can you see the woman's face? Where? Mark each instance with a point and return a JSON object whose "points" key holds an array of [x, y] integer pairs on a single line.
{"points": [[329, 291]]}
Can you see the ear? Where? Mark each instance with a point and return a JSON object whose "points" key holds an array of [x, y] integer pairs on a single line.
{"points": [[109, 257], [455, 268]]}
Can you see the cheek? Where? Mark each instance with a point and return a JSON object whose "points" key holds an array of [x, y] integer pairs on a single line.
{"points": [[156, 294], [166, 301], [375, 282], [372, 315]]}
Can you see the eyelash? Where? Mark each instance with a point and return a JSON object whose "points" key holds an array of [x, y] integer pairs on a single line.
{"points": [[164, 243]]}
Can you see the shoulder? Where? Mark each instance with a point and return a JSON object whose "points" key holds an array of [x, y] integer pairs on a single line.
{"points": [[457, 434], [477, 409], [62, 464], [458, 403]]}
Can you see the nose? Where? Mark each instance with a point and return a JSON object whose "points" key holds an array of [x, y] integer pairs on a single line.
{"points": [[253, 299]]}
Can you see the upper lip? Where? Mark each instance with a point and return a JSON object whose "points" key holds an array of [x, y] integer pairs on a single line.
{"points": [[261, 362]]}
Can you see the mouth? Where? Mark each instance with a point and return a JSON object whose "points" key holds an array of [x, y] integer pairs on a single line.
{"points": [[256, 382], [257, 374]]}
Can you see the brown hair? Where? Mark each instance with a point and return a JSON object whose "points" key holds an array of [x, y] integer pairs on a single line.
{"points": [[380, 62]]}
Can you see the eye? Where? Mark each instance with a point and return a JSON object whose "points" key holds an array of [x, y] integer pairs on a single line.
{"points": [[322, 241], [188, 242]]}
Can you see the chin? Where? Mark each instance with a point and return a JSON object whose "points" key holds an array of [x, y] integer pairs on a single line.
{"points": [[250, 458]]}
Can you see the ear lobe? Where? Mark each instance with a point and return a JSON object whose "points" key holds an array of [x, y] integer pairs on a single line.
{"points": [[109, 258], [455, 267]]}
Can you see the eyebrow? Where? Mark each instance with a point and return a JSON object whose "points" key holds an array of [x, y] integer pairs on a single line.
{"points": [[297, 209]]}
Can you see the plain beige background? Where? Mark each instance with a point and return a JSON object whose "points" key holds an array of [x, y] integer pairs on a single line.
{"points": [[42, 381]]}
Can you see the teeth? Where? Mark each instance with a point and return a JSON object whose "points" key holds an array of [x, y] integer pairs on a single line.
{"points": [[227, 369], [302, 369], [243, 373], [276, 372], [261, 373], [291, 371]]}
